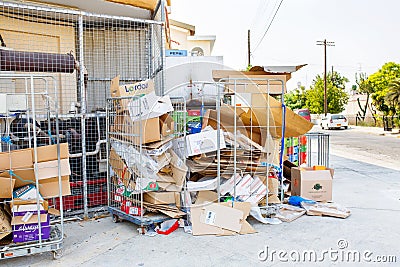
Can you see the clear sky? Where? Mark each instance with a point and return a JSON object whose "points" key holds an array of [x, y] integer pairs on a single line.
{"points": [[365, 32]]}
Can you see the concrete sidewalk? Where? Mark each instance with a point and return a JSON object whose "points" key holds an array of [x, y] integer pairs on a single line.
{"points": [[372, 193], [375, 131]]}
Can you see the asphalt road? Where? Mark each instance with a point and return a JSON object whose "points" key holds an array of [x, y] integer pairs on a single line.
{"points": [[367, 145]]}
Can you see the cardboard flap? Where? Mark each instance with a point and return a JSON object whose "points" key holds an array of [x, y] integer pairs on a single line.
{"points": [[295, 124], [165, 178], [316, 175], [49, 169], [179, 169], [17, 158], [49, 153], [222, 216], [18, 220], [200, 228], [206, 197], [166, 125], [169, 187], [18, 202], [119, 167], [158, 144], [50, 187], [210, 184], [6, 187]]}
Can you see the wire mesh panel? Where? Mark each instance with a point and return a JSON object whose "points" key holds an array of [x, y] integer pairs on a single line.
{"points": [[83, 52], [255, 137], [34, 166]]}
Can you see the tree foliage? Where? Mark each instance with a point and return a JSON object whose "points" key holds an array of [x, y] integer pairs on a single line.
{"points": [[393, 95], [296, 99], [336, 95], [380, 82]]}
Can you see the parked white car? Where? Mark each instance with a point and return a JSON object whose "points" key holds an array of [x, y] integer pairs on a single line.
{"points": [[332, 121]]}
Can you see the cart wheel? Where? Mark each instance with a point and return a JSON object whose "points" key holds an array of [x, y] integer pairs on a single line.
{"points": [[57, 254], [115, 218]]}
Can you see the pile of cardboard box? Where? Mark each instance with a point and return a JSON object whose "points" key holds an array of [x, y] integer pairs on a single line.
{"points": [[19, 170], [141, 157], [241, 143]]}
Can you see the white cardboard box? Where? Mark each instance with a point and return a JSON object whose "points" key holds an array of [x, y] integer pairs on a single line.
{"points": [[204, 142]]}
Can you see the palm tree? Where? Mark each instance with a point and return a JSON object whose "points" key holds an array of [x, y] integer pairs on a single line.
{"points": [[393, 96]]}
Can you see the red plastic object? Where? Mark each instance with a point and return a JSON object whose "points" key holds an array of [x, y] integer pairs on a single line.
{"points": [[303, 157], [303, 140], [194, 112], [170, 230]]}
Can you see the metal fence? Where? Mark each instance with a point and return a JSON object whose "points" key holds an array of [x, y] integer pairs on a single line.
{"points": [[83, 52]]}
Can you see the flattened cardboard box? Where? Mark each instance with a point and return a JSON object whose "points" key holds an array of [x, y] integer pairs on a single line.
{"points": [[199, 228], [162, 198], [16, 159], [221, 216], [310, 184]]}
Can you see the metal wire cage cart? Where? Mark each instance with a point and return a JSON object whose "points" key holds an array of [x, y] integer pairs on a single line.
{"points": [[255, 136], [83, 52], [145, 175], [34, 166], [235, 131]]}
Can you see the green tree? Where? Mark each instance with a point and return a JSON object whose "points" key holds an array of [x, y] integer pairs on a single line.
{"points": [[336, 95], [380, 82], [296, 99], [393, 95]]}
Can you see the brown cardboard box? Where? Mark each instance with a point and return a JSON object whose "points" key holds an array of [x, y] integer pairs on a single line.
{"points": [[6, 187], [162, 198], [49, 153], [49, 188], [117, 90], [16, 159], [124, 124], [310, 184], [5, 224]]}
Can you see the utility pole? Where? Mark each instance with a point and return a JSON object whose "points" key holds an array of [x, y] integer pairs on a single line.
{"points": [[248, 48], [325, 44]]}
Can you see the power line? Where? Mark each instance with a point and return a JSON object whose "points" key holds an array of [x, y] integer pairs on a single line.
{"points": [[269, 26]]}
